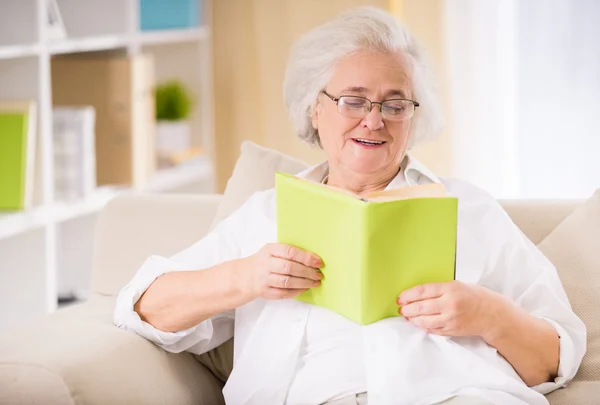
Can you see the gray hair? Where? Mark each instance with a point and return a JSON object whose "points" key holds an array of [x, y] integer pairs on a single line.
{"points": [[314, 56]]}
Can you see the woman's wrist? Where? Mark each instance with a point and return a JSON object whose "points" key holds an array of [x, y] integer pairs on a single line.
{"points": [[239, 280], [501, 314]]}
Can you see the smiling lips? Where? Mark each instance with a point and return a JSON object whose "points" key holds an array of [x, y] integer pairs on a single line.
{"points": [[368, 142]]}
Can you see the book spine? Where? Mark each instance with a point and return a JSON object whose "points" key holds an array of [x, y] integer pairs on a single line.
{"points": [[363, 257], [31, 152]]}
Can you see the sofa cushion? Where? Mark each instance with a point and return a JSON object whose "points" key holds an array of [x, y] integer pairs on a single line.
{"points": [[573, 247], [254, 171], [77, 356], [578, 393]]}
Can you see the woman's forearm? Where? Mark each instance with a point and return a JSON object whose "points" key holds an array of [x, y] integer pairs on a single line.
{"points": [[179, 300], [531, 345]]}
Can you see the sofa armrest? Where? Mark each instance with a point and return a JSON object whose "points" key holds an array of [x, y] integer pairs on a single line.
{"points": [[133, 227], [77, 356], [577, 392]]}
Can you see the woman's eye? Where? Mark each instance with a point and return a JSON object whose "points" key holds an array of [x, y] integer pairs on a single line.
{"points": [[395, 109], [354, 102]]}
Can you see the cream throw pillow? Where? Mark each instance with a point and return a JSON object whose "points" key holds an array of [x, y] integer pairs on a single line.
{"points": [[574, 248], [254, 171]]}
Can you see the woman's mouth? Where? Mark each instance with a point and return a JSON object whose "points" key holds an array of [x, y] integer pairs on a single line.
{"points": [[368, 143]]}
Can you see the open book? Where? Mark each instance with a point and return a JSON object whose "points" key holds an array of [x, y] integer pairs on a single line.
{"points": [[373, 247]]}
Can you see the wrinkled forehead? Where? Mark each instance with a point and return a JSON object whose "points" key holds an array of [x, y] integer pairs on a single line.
{"points": [[370, 73]]}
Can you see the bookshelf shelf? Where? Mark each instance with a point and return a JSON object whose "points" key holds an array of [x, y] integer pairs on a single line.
{"points": [[179, 176], [163, 181], [19, 51], [66, 211], [44, 240], [105, 43], [93, 44], [14, 224]]}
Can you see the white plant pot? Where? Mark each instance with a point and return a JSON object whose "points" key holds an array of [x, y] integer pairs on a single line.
{"points": [[172, 136]]}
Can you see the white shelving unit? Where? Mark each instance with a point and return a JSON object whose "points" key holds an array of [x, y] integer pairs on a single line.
{"points": [[33, 243], [166, 180]]}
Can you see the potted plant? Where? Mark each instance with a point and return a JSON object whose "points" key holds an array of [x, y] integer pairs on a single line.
{"points": [[173, 108]]}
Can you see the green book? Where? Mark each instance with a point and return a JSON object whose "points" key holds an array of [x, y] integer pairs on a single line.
{"points": [[374, 247], [15, 158]]}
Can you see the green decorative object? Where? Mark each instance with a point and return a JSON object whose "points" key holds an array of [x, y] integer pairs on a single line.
{"points": [[173, 101]]}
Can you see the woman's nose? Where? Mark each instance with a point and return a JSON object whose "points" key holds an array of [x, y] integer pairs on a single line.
{"points": [[373, 120]]}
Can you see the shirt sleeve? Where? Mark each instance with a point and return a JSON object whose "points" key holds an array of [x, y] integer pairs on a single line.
{"points": [[519, 270], [220, 245]]}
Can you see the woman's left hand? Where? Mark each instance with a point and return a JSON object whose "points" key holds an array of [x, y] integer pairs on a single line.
{"points": [[452, 308]]}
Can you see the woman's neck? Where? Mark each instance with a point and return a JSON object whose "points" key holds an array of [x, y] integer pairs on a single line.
{"points": [[361, 184]]}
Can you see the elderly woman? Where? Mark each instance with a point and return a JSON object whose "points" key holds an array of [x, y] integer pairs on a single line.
{"points": [[503, 333]]}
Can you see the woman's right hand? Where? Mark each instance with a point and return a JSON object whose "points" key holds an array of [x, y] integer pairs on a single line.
{"points": [[279, 271]]}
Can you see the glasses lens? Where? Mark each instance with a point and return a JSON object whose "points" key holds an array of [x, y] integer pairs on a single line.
{"points": [[398, 109], [353, 107]]}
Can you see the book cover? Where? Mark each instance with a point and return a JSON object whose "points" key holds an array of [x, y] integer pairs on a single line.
{"points": [[374, 247], [18, 132], [13, 160]]}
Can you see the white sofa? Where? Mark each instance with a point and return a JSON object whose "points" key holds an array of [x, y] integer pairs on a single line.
{"points": [[77, 356]]}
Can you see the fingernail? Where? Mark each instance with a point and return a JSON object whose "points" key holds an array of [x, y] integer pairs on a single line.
{"points": [[319, 275], [317, 283], [318, 263]]}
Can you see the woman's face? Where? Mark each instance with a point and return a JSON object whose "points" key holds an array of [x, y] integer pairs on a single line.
{"points": [[378, 77]]}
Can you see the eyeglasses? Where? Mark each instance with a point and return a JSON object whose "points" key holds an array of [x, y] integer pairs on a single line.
{"points": [[359, 107]]}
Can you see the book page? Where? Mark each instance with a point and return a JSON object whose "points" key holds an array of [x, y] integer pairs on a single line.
{"points": [[422, 191]]}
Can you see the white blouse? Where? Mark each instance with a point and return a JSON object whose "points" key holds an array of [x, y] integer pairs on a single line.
{"points": [[295, 353]]}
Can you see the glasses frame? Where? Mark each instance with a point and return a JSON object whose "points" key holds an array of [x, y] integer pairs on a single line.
{"points": [[337, 99]]}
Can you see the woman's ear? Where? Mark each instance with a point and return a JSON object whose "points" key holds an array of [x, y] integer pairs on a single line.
{"points": [[314, 114]]}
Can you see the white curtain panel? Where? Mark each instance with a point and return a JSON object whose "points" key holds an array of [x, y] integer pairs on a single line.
{"points": [[525, 86], [559, 97]]}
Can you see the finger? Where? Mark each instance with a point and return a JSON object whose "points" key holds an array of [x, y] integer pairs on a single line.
{"points": [[290, 282], [296, 254], [274, 293], [428, 322], [290, 268], [440, 331], [420, 308], [422, 292]]}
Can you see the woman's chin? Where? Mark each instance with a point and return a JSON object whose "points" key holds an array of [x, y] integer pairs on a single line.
{"points": [[366, 166]]}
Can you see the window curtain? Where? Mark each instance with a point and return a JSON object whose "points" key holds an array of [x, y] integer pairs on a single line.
{"points": [[525, 95], [558, 80]]}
